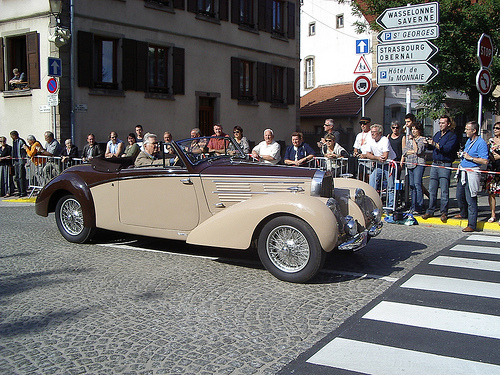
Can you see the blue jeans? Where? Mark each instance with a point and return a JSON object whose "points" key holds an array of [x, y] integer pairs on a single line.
{"points": [[375, 182], [439, 178], [467, 203], [415, 181]]}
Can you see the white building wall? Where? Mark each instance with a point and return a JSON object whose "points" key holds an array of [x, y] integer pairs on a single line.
{"points": [[333, 49]]}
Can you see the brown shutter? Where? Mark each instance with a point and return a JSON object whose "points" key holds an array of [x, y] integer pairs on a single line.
{"points": [[179, 4], [290, 86], [33, 53], [261, 81], [178, 65], [129, 70], [291, 20], [192, 6], [224, 10], [142, 66], [235, 11], [235, 78], [85, 59], [269, 83], [261, 15], [2, 72], [269, 16]]}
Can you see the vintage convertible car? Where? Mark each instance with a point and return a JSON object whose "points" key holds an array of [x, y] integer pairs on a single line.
{"points": [[293, 215]]}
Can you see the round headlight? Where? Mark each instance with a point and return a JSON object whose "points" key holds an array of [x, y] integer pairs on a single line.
{"points": [[351, 226], [377, 214]]}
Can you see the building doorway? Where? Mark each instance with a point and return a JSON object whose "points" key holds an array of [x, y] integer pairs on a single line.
{"points": [[208, 111]]}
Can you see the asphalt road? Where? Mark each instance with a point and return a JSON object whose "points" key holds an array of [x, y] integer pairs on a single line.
{"points": [[145, 306]]}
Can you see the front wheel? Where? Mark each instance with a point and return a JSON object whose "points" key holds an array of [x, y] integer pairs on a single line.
{"points": [[69, 219], [290, 250]]}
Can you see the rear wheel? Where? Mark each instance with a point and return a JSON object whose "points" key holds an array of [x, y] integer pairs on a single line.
{"points": [[69, 219], [290, 250]]}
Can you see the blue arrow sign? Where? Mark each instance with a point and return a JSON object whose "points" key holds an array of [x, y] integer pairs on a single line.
{"points": [[55, 67], [362, 46]]}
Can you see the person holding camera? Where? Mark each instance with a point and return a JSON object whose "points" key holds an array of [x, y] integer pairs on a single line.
{"points": [[474, 154], [444, 145]]}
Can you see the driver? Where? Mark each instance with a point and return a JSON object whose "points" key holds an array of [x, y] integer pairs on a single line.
{"points": [[151, 153]]}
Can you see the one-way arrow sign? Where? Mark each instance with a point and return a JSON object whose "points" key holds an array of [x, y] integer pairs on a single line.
{"points": [[410, 16], [405, 74], [55, 67], [405, 52]]}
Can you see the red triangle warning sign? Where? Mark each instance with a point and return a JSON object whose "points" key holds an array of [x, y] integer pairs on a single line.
{"points": [[362, 67]]}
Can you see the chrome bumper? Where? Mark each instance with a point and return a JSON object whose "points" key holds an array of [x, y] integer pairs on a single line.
{"points": [[375, 229], [355, 243]]}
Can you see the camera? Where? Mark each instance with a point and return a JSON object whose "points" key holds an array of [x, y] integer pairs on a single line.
{"points": [[460, 154]]}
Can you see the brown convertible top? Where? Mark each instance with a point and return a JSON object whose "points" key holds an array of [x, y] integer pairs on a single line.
{"points": [[102, 164]]}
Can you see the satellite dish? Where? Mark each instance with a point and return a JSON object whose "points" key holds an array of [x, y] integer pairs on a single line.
{"points": [[496, 92]]}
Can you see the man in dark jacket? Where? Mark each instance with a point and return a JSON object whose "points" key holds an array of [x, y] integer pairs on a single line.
{"points": [[18, 161], [92, 149]]}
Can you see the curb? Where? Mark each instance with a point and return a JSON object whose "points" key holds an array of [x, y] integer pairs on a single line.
{"points": [[481, 225], [20, 200]]}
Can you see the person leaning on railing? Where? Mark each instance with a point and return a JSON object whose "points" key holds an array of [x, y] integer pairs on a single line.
{"points": [[34, 148], [332, 151]]}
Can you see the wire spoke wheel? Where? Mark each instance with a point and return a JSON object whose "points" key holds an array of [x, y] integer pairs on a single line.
{"points": [[72, 217], [288, 248]]}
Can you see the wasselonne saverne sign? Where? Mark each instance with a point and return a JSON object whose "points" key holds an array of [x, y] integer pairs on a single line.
{"points": [[410, 16]]}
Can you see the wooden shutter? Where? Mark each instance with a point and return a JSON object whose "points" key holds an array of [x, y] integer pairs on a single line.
{"points": [[2, 71], [235, 11], [85, 59], [291, 20], [224, 10], [261, 15], [142, 66], [129, 70], [192, 6], [33, 54], [269, 16], [235, 78], [178, 65], [290, 86], [269, 83], [261, 81], [179, 4]]}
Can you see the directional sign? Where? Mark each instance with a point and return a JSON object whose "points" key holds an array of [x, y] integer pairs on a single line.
{"points": [[410, 16], [483, 81], [408, 34], [362, 66], [362, 85], [52, 85], [405, 52], [362, 46], [55, 67], [405, 74], [485, 51]]}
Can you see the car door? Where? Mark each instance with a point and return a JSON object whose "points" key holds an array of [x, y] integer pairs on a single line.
{"points": [[157, 197]]}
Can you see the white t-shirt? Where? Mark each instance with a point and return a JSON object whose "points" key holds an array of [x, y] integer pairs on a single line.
{"points": [[272, 150], [362, 140], [378, 148]]}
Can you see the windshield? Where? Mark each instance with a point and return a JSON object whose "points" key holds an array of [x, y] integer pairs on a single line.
{"points": [[202, 149]]}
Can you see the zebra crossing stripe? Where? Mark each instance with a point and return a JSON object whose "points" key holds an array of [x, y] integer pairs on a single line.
{"points": [[435, 318], [477, 249], [386, 360], [484, 238], [453, 285], [477, 264]]}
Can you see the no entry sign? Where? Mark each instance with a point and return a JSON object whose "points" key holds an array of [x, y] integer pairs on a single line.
{"points": [[52, 85]]}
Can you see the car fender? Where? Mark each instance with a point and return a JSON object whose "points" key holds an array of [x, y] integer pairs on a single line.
{"points": [[235, 226], [352, 185], [71, 183]]}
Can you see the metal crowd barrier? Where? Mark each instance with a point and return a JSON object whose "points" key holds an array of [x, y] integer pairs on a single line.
{"points": [[41, 169]]}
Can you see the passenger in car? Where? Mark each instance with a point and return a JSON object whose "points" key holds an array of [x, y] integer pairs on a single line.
{"points": [[132, 149], [218, 145], [198, 146], [298, 153], [267, 151], [150, 156], [115, 146]]}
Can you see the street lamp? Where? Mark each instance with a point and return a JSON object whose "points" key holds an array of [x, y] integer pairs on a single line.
{"points": [[61, 35]]}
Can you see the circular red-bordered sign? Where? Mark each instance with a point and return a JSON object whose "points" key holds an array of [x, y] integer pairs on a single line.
{"points": [[52, 85], [362, 85], [483, 81]]}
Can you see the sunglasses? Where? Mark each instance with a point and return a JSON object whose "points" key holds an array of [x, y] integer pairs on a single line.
{"points": [[329, 140], [395, 127], [496, 128]]}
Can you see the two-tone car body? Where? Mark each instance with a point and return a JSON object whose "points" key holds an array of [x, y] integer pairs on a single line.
{"points": [[294, 215]]}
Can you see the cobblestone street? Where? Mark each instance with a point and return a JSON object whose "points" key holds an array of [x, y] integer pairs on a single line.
{"points": [[109, 308]]}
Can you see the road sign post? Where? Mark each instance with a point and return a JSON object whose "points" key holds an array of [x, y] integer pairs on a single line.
{"points": [[483, 77]]}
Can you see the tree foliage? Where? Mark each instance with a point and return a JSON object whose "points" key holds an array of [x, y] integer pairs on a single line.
{"points": [[461, 23]]}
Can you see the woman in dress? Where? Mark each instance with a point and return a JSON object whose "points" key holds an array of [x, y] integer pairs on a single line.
{"points": [[115, 147], [493, 180], [413, 155], [240, 139], [6, 181]]}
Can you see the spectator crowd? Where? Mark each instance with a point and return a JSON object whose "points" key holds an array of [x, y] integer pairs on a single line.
{"points": [[382, 158]]}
